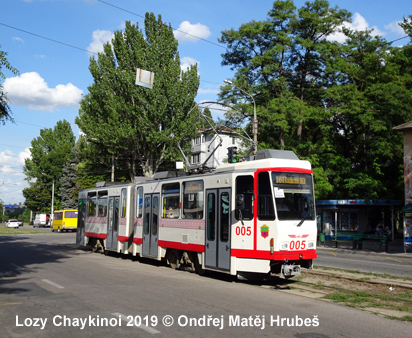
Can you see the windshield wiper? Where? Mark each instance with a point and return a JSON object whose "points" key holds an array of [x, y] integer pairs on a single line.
{"points": [[303, 219]]}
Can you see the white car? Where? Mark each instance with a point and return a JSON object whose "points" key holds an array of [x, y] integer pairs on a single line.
{"points": [[12, 223]]}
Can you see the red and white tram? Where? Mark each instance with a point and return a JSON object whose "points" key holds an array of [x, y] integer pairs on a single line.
{"points": [[247, 218]]}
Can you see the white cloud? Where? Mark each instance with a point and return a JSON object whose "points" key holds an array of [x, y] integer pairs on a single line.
{"points": [[6, 169], [6, 157], [99, 37], [17, 160], [395, 28], [358, 23], [30, 90], [23, 155], [191, 32], [17, 39], [186, 62]]}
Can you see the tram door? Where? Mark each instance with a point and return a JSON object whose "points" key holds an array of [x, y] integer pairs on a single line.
{"points": [[113, 223], [81, 215], [217, 251], [150, 225]]}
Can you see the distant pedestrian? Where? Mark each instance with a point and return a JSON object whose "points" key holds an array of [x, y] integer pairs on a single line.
{"points": [[380, 229], [387, 231]]}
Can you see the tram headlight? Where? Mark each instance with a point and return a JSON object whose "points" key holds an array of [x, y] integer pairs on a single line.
{"points": [[284, 245], [311, 245]]}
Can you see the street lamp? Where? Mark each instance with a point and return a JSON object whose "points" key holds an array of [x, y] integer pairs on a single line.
{"points": [[254, 129]]}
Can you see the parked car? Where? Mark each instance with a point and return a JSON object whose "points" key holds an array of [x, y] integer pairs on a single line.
{"points": [[20, 222], [12, 223]]}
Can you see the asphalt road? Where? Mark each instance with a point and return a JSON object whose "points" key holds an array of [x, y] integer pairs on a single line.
{"points": [[49, 287], [375, 262]]}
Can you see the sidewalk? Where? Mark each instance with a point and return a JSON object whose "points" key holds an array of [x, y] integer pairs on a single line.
{"points": [[395, 248]]}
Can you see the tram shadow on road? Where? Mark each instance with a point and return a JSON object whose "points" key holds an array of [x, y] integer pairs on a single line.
{"points": [[269, 281], [19, 256]]}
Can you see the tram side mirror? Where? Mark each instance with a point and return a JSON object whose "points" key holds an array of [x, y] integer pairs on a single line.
{"points": [[240, 201]]}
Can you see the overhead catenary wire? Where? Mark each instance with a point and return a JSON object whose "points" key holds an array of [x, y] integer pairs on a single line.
{"points": [[46, 38], [177, 30]]}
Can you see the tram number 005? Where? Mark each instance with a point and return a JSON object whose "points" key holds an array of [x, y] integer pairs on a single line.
{"points": [[244, 231], [296, 245]]}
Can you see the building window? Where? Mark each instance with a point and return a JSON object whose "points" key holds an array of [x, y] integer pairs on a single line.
{"points": [[195, 158], [196, 140]]}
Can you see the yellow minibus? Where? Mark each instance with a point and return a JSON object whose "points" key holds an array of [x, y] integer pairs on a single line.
{"points": [[65, 220]]}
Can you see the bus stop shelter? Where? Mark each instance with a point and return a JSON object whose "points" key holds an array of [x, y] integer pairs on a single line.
{"points": [[359, 216]]}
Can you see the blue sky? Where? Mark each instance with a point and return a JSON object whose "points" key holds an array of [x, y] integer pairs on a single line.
{"points": [[53, 76]]}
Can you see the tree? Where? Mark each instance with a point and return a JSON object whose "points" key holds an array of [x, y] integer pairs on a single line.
{"points": [[5, 112], [49, 153], [406, 24], [139, 126], [280, 62], [69, 192], [334, 104]]}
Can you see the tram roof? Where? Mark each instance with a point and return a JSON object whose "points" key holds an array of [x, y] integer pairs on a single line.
{"points": [[265, 163]]}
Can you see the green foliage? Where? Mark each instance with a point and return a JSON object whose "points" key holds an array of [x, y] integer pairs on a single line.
{"points": [[49, 153], [333, 104], [5, 112], [138, 126], [406, 24], [68, 191]]}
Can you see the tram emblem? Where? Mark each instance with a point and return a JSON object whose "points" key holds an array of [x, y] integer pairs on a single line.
{"points": [[264, 231], [298, 236]]}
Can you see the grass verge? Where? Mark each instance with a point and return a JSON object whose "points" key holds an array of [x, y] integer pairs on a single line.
{"points": [[14, 231]]}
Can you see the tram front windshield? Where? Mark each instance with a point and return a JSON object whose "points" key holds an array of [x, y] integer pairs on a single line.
{"points": [[294, 196]]}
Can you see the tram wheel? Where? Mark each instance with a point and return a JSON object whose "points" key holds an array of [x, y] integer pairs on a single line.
{"points": [[173, 260], [198, 267]]}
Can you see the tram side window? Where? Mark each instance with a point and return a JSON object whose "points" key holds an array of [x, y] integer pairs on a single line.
{"points": [[211, 217], [193, 199], [123, 203], [224, 217], [139, 202], [244, 186], [102, 204], [92, 203], [171, 200], [266, 210]]}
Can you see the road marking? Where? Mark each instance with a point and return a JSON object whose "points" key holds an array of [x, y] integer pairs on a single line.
{"points": [[53, 284], [333, 254], [8, 303], [395, 260], [143, 327]]}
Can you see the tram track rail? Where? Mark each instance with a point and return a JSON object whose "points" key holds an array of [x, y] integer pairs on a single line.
{"points": [[389, 297]]}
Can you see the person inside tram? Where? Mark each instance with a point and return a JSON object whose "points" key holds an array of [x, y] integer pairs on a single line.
{"points": [[171, 214]]}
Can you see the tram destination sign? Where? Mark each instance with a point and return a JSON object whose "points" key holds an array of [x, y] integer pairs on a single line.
{"points": [[292, 179]]}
